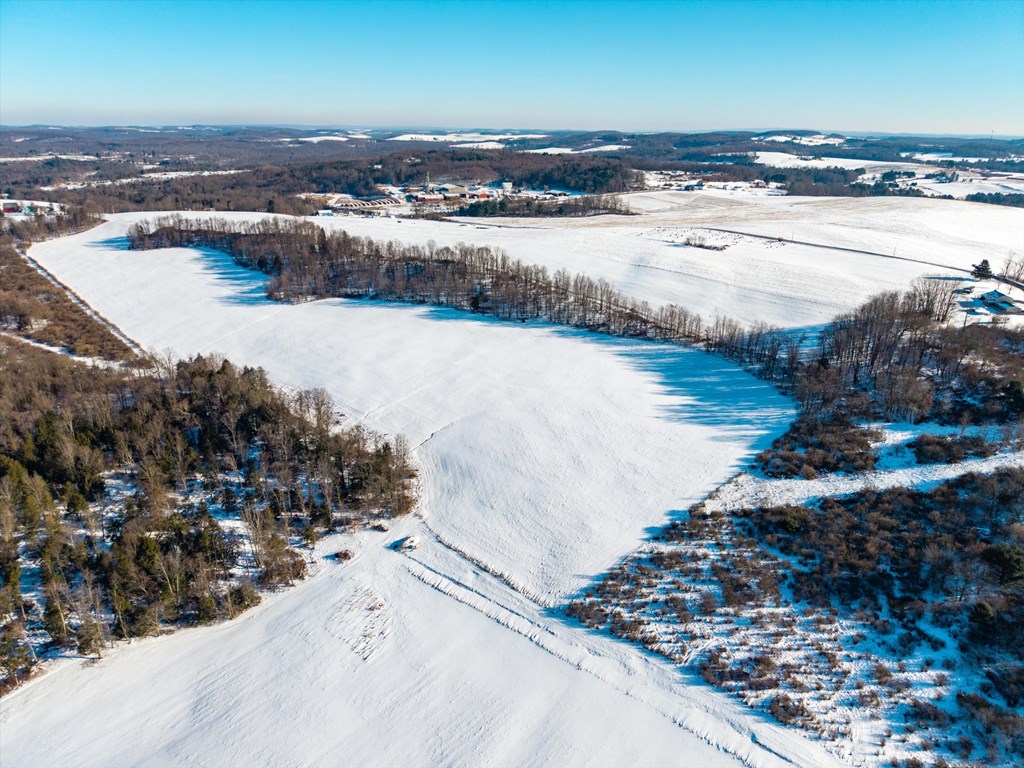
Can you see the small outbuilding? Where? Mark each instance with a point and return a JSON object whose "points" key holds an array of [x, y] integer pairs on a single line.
{"points": [[1001, 304]]}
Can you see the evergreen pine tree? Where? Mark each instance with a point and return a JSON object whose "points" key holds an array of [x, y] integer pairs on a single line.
{"points": [[982, 271]]}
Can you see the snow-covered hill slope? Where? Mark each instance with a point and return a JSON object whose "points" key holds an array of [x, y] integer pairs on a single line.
{"points": [[384, 661], [546, 455], [546, 451], [952, 233]]}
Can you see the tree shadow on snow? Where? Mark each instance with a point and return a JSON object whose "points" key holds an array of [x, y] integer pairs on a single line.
{"points": [[700, 387], [705, 388], [245, 287], [111, 244]]}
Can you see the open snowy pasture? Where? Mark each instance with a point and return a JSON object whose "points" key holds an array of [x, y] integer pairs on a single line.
{"points": [[976, 183], [385, 661], [817, 140], [948, 233], [466, 137], [545, 456], [873, 167]]}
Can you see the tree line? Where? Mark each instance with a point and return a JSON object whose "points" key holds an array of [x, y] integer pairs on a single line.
{"points": [[253, 189], [305, 262], [193, 443], [580, 205]]}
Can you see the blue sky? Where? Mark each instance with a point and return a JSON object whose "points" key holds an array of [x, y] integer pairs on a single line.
{"points": [[899, 66]]}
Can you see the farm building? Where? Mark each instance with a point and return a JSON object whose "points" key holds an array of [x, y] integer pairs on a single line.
{"points": [[349, 203], [1001, 304]]}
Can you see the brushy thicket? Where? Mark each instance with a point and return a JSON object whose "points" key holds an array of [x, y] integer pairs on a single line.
{"points": [[32, 308], [811, 446], [903, 561], [943, 449]]}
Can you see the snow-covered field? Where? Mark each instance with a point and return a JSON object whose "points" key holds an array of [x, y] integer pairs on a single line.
{"points": [[817, 140], [970, 183], [941, 232], [545, 456], [787, 160], [47, 156], [561, 420], [318, 139], [754, 278], [369, 663], [569, 151], [480, 145]]}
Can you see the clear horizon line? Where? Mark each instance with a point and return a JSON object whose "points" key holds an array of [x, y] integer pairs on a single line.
{"points": [[424, 127]]}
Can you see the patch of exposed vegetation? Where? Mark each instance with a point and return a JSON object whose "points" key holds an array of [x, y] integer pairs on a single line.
{"points": [[944, 449], [813, 446], [903, 603]]}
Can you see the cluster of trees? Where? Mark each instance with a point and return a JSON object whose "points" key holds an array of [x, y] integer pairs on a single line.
{"points": [[942, 550], [811, 446], [33, 173], [44, 225], [944, 449], [897, 354], [304, 262], [997, 198], [198, 440], [587, 174]]}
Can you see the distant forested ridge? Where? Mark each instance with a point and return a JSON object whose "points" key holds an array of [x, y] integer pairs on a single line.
{"points": [[255, 188], [245, 168]]}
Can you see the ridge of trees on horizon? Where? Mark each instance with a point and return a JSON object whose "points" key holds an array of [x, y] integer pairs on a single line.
{"points": [[895, 356], [268, 163]]}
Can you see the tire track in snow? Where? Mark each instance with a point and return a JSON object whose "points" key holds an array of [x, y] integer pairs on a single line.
{"points": [[644, 678]]}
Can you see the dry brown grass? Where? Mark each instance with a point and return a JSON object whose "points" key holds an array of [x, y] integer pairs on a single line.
{"points": [[32, 308]]}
